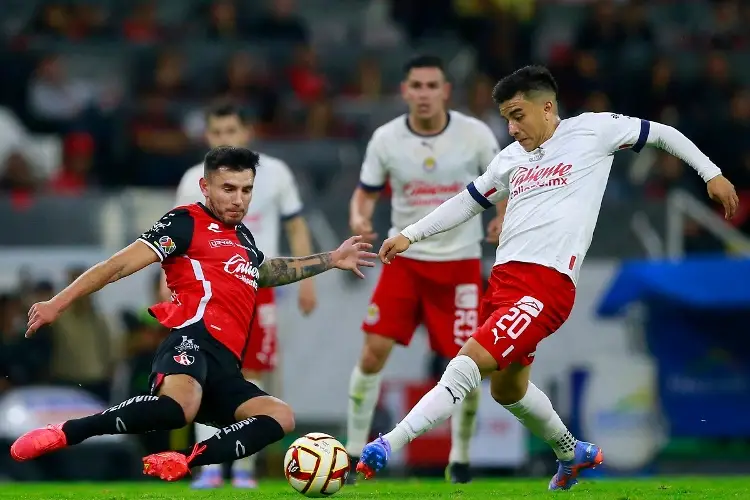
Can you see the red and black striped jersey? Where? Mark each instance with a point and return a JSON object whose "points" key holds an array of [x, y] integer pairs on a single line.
{"points": [[212, 271]]}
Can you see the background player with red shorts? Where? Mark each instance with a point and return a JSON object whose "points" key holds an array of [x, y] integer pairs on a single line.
{"points": [[554, 177], [427, 156], [275, 200]]}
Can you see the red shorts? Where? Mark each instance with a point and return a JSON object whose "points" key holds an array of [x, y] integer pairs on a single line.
{"points": [[444, 296], [524, 304], [261, 350]]}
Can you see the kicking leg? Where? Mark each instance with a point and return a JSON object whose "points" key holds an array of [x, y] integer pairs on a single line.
{"points": [[175, 405], [463, 374], [243, 471], [512, 389]]}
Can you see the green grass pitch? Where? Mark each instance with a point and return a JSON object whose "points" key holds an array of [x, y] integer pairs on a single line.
{"points": [[683, 488]]}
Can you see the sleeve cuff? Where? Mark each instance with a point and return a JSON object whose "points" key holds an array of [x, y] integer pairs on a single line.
{"points": [[153, 248]]}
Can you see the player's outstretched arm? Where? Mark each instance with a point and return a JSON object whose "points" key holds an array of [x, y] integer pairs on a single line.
{"points": [[448, 215], [127, 261], [351, 255]]}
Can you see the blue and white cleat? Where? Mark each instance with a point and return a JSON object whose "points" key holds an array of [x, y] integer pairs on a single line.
{"points": [[587, 456], [374, 457]]}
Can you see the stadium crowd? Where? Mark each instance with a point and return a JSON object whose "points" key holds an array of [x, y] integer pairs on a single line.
{"points": [[123, 85]]}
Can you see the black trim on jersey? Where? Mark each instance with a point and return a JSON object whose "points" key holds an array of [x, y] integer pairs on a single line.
{"points": [[171, 235], [447, 123], [298, 213], [370, 188], [245, 236]]}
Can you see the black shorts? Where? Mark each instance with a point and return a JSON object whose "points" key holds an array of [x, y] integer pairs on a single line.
{"points": [[193, 351]]}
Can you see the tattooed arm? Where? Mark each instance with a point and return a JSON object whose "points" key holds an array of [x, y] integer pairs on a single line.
{"points": [[284, 270], [352, 254]]}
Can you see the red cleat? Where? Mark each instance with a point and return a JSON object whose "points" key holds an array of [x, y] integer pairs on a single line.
{"points": [[170, 465], [38, 442]]}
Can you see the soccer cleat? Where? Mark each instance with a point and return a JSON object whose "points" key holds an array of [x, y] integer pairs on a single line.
{"points": [[244, 480], [38, 442], [351, 478], [587, 456], [170, 465], [208, 479], [374, 457], [458, 473]]}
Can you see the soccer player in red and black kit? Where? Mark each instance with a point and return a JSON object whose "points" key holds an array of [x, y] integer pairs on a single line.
{"points": [[214, 270]]}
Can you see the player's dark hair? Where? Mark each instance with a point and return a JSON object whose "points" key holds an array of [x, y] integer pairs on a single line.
{"points": [[423, 61], [526, 80], [231, 158], [224, 108]]}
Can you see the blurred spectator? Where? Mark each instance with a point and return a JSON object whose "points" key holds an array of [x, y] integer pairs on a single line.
{"points": [[713, 88], [141, 26], [725, 30], [18, 180], [72, 177], [246, 80], [664, 95], [83, 352], [281, 23], [23, 361], [368, 80], [602, 30], [322, 123], [481, 105], [306, 80], [53, 19], [421, 20], [55, 97], [223, 20]]}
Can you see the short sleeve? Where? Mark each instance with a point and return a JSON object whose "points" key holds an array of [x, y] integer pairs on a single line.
{"points": [[492, 186], [171, 235], [189, 191], [373, 175], [618, 132], [290, 203], [488, 147]]}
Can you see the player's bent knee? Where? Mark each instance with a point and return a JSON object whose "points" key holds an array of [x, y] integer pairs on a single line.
{"points": [[186, 392], [481, 356], [375, 353], [271, 406], [510, 385]]}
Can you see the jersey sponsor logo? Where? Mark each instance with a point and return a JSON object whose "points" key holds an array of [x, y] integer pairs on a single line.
{"points": [[526, 179], [421, 193], [167, 245], [221, 243], [239, 267], [184, 359], [187, 345]]}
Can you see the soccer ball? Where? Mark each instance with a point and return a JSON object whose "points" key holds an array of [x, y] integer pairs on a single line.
{"points": [[316, 465]]}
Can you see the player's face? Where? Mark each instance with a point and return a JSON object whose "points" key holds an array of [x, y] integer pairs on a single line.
{"points": [[528, 119], [227, 131], [228, 193], [426, 92]]}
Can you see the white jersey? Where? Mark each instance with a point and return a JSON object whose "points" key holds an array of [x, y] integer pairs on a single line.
{"points": [[425, 171], [555, 192], [275, 198]]}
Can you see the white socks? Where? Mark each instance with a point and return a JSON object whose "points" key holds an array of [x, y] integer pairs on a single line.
{"points": [[463, 425], [460, 378], [535, 412], [364, 390], [246, 465]]}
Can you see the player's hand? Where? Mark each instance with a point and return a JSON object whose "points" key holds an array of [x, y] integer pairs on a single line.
{"points": [[352, 254], [494, 228], [363, 227], [40, 314], [393, 246], [307, 298], [722, 191]]}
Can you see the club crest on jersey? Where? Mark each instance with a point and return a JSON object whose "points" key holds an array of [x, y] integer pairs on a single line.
{"points": [[429, 164], [538, 155], [167, 245], [184, 359]]}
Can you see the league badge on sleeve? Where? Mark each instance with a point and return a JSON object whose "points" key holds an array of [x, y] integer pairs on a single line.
{"points": [[167, 245]]}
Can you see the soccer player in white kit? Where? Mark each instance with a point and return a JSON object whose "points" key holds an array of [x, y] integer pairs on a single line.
{"points": [[275, 200], [427, 156], [554, 177]]}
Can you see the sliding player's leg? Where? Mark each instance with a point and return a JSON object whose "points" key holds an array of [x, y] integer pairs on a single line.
{"points": [[176, 393], [248, 421]]}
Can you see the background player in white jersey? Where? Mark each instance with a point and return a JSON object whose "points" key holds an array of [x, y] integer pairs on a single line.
{"points": [[427, 156], [554, 177], [275, 200]]}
